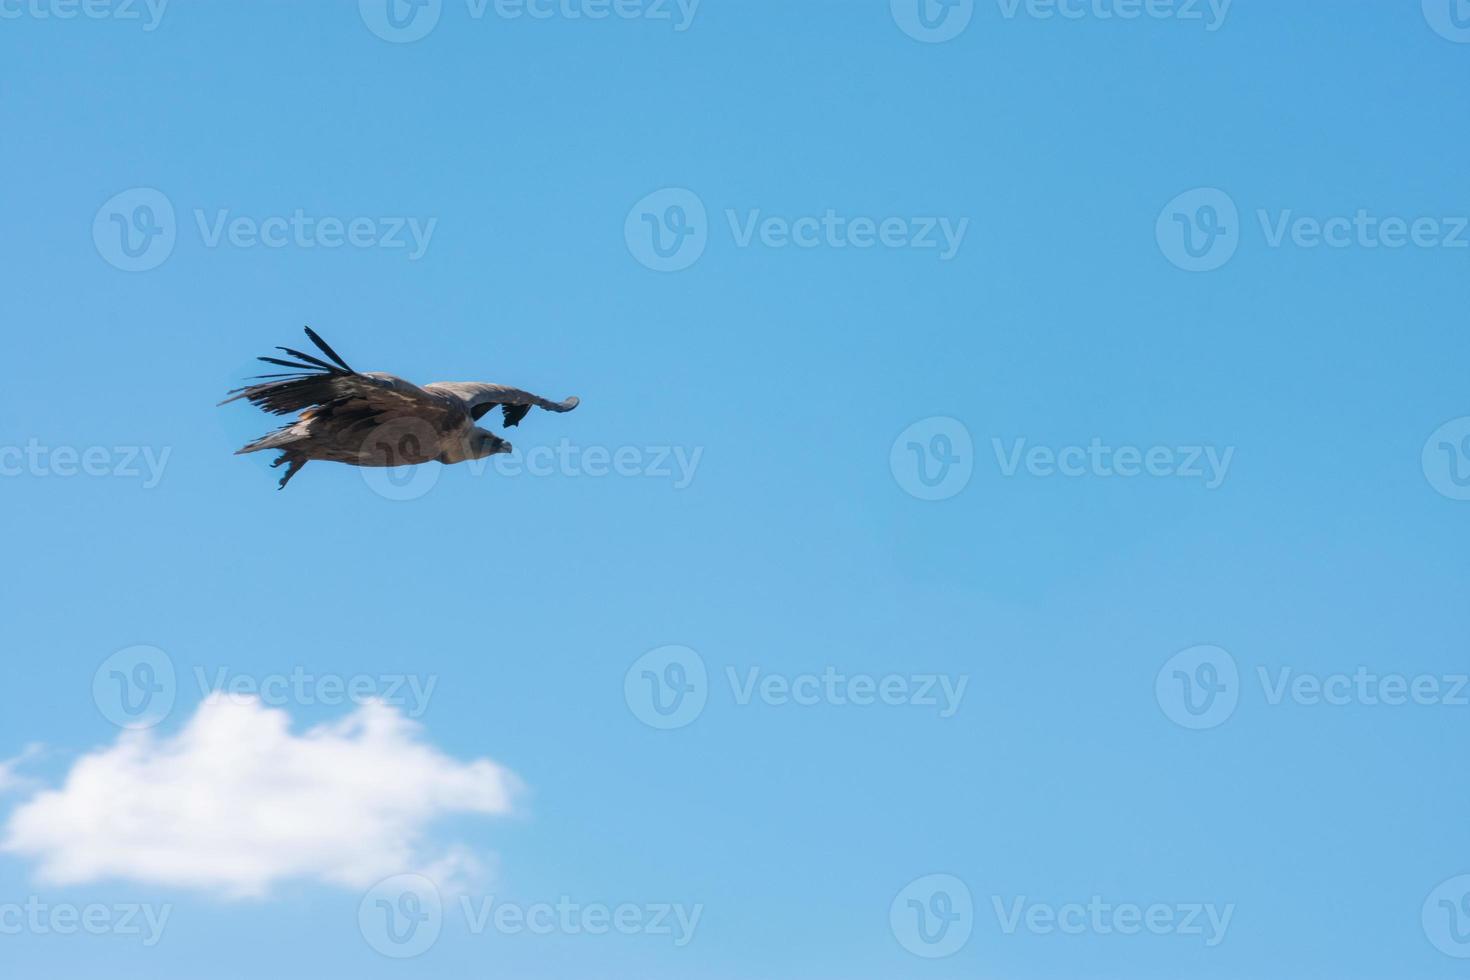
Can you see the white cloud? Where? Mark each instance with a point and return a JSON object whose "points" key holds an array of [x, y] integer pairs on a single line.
{"points": [[12, 781], [235, 803], [9, 780]]}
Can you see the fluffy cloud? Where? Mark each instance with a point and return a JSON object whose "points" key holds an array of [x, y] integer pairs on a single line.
{"points": [[235, 803], [11, 781]]}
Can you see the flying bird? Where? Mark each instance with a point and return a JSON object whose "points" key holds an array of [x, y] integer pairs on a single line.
{"points": [[374, 419]]}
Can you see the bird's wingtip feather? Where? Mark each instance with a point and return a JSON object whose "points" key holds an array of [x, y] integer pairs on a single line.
{"points": [[327, 349]]}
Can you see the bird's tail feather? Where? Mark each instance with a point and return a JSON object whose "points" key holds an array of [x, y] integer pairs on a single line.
{"points": [[274, 440]]}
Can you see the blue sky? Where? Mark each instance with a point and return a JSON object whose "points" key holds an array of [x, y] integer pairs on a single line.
{"points": [[1027, 412]]}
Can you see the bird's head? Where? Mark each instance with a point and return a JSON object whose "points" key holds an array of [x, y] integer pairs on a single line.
{"points": [[485, 443]]}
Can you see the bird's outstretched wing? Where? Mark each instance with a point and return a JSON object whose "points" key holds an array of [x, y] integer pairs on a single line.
{"points": [[313, 383], [479, 398]]}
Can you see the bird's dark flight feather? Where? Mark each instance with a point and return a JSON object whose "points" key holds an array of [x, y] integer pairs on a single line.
{"points": [[309, 359], [327, 350], [290, 364]]}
